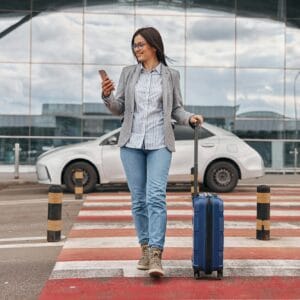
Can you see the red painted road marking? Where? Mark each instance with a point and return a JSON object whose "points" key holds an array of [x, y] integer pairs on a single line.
{"points": [[182, 218], [177, 253], [75, 233], [172, 288]]}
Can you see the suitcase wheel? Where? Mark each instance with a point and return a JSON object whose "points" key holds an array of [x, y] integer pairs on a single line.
{"points": [[220, 274], [197, 274]]}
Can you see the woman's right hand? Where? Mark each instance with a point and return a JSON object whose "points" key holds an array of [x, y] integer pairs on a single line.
{"points": [[107, 87]]}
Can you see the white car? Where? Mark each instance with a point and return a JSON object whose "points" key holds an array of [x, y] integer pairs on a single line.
{"points": [[223, 160]]}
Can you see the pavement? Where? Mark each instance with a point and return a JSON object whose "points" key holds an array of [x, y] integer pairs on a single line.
{"points": [[98, 260], [98, 257]]}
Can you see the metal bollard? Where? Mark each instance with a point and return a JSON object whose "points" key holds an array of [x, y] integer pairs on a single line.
{"points": [[17, 159], [78, 184], [54, 213], [263, 213]]}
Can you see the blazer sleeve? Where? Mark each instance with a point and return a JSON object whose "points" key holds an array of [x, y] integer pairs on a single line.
{"points": [[116, 103], [178, 113]]}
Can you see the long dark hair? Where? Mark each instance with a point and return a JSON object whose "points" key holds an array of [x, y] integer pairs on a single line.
{"points": [[153, 38]]}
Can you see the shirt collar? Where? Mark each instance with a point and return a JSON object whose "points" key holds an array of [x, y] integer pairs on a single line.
{"points": [[156, 69]]}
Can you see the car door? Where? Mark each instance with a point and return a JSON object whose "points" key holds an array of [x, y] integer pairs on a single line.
{"points": [[111, 161], [183, 158]]}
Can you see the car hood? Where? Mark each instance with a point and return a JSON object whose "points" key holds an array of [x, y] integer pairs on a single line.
{"points": [[82, 145]]}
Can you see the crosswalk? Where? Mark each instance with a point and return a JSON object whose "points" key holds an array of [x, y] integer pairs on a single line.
{"points": [[103, 244]]}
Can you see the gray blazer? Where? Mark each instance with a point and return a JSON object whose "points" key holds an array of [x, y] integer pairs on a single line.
{"points": [[123, 102]]}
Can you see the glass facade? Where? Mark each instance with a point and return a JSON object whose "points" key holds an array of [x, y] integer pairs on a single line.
{"points": [[239, 62]]}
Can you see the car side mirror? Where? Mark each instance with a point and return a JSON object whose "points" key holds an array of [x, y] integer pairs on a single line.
{"points": [[112, 140]]}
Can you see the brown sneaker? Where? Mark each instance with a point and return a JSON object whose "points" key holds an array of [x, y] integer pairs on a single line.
{"points": [[155, 267], [143, 263]]}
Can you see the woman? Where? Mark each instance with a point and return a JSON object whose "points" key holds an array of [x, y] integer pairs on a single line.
{"points": [[148, 96]]}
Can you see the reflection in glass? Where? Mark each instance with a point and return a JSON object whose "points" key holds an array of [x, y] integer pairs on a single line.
{"points": [[210, 87], [260, 43], [160, 7], [14, 90], [63, 5], [292, 9], [97, 126], [92, 81], [210, 41], [274, 9], [56, 97], [108, 6], [15, 4], [292, 98], [57, 37], [260, 91], [172, 32], [211, 8], [14, 42], [108, 38], [292, 44]]}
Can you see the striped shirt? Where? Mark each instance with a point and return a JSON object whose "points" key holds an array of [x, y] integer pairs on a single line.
{"points": [[148, 118]]}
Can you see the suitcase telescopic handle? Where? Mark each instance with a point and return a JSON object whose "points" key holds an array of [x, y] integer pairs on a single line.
{"points": [[196, 137]]}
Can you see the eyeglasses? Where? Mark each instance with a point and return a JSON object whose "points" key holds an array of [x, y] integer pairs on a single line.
{"points": [[138, 46]]}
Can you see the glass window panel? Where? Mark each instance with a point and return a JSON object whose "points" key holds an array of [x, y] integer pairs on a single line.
{"points": [[7, 153], [115, 6], [290, 159], [260, 43], [211, 7], [174, 40], [210, 41], [57, 37], [260, 93], [98, 125], [92, 83], [292, 44], [56, 98], [14, 41], [292, 98], [14, 90], [66, 5], [267, 8], [15, 4], [160, 7], [265, 151], [292, 8], [210, 87], [108, 38]]}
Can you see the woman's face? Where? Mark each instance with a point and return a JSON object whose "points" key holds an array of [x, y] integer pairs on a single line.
{"points": [[143, 51]]}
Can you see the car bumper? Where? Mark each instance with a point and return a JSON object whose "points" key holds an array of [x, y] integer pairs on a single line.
{"points": [[43, 175], [253, 167]]}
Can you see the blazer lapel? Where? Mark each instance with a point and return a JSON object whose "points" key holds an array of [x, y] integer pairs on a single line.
{"points": [[166, 76], [131, 86]]}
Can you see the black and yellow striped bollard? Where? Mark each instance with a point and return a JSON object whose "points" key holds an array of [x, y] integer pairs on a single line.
{"points": [[54, 213], [263, 213], [78, 184]]}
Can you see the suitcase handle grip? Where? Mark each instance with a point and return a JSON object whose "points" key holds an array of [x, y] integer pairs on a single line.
{"points": [[196, 136]]}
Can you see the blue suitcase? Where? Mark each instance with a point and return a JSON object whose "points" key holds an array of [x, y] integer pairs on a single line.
{"points": [[208, 228]]}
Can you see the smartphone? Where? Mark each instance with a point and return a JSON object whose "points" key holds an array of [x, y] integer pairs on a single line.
{"points": [[103, 74]]}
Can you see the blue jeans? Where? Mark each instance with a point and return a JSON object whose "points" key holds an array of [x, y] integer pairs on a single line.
{"points": [[147, 176]]}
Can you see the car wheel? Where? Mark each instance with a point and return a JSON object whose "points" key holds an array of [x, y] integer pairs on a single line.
{"points": [[89, 176], [221, 176]]}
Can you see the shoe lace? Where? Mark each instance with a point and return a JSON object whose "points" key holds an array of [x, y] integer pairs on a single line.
{"points": [[156, 257]]}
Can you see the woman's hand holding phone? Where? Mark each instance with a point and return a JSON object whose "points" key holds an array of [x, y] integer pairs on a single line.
{"points": [[107, 84]]}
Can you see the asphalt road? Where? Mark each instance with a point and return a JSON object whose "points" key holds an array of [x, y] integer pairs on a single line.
{"points": [[26, 258]]}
